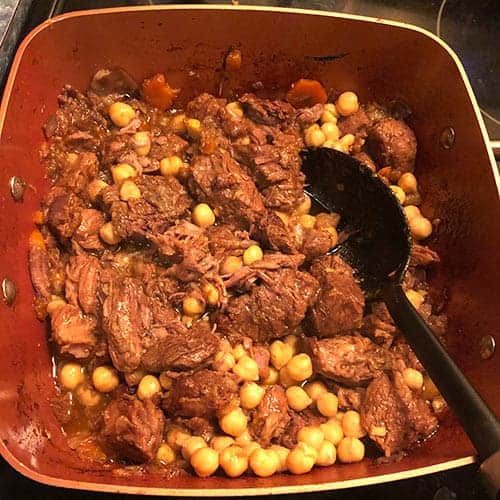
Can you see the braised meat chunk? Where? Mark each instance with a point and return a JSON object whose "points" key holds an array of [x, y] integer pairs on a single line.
{"points": [[133, 428], [339, 305]]}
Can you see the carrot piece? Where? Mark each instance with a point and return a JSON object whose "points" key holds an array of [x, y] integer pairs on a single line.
{"points": [[157, 92], [38, 217], [306, 92], [36, 239], [233, 60]]}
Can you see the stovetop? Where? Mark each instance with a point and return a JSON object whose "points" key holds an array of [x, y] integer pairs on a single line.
{"points": [[470, 28]]}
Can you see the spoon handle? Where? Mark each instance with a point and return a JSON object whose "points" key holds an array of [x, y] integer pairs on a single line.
{"points": [[478, 421]]}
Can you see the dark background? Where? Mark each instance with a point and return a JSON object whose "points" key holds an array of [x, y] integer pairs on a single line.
{"points": [[471, 28]]}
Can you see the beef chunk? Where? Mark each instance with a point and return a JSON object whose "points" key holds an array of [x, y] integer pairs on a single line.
{"points": [[271, 310], [266, 112], [403, 356], [308, 116], [204, 105], [125, 318], [350, 398], [78, 173], [423, 256], [355, 124], [260, 354], [378, 325], [271, 230], [187, 247], [72, 331], [348, 359], [133, 428], [391, 142], [64, 215], [166, 145], [225, 240], [87, 233], [197, 426], [270, 418], [224, 185], [82, 282], [201, 394], [314, 243], [39, 270], [395, 417], [339, 305], [175, 347], [297, 421]]}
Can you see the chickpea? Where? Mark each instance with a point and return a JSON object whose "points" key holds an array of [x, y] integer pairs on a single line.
{"points": [[211, 294], [239, 351], [307, 221], [330, 106], [252, 254], [121, 114], [411, 211], [315, 389], [398, 193], [285, 379], [178, 123], [347, 140], [415, 298], [413, 379], [224, 361], [328, 117], [121, 172], [71, 376], [129, 191], [281, 354], [233, 461], [249, 448], [230, 265], [234, 422], [429, 389], [234, 108], [244, 438], [55, 304], [314, 136], [108, 234], [193, 127], [165, 455], [205, 461], [272, 378], [282, 453], [297, 398], [420, 227], [148, 387], [191, 444], [331, 131], [247, 368], [264, 463], [105, 379], [305, 206], [171, 165], [350, 450], [408, 183], [327, 404], [87, 396], [193, 306], [339, 416], [244, 141], [351, 425], [142, 143], [326, 454], [165, 381], [332, 431], [95, 188], [176, 438], [300, 367], [219, 443], [293, 341], [312, 435], [203, 215], [301, 459], [251, 395], [347, 103]]}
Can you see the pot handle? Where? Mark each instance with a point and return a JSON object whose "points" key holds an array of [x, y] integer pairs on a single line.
{"points": [[478, 421]]}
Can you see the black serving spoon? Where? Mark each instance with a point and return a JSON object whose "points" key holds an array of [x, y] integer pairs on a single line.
{"points": [[378, 248]]}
